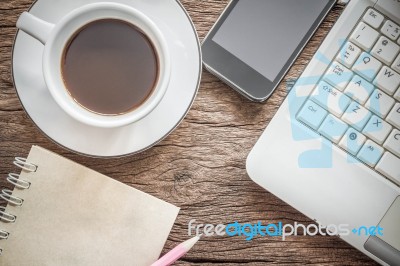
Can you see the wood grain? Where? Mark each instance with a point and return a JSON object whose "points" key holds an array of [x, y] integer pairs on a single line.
{"points": [[200, 167]]}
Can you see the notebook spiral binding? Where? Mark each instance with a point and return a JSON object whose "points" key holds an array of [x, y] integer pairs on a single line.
{"points": [[6, 194]]}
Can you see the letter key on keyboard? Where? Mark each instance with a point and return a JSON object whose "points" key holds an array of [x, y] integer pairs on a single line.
{"points": [[356, 103]]}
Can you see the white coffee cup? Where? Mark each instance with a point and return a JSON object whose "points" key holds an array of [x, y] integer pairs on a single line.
{"points": [[56, 37]]}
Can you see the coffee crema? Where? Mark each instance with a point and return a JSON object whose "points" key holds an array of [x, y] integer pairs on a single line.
{"points": [[110, 67]]}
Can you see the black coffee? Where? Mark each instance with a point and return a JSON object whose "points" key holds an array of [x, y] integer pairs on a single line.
{"points": [[110, 67]]}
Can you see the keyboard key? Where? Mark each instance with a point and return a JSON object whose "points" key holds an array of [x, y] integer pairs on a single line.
{"points": [[352, 141], [364, 36], [389, 166], [367, 66], [394, 116], [397, 95], [385, 50], [333, 128], [312, 114], [380, 103], [348, 54], [388, 80], [392, 143], [377, 129], [356, 116], [391, 29], [359, 89], [390, 8], [370, 153], [338, 75], [373, 18], [396, 63], [330, 98]]}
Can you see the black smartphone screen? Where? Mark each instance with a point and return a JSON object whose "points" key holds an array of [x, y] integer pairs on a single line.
{"points": [[255, 42]]}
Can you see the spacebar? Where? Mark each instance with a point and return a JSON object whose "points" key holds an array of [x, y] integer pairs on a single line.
{"points": [[389, 166]]}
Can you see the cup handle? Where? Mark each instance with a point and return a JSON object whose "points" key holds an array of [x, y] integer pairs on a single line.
{"points": [[35, 27]]}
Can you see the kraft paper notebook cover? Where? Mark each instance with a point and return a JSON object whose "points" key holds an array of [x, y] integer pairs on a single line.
{"points": [[71, 215]]}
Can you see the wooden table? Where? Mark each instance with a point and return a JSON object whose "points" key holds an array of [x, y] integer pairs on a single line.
{"points": [[200, 167]]}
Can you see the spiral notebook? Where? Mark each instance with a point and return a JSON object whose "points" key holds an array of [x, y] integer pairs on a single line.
{"points": [[62, 213]]}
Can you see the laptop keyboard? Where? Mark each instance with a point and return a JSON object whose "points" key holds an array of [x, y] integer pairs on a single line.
{"points": [[356, 103]]}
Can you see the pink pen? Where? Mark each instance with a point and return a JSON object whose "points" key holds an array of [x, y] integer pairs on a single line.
{"points": [[177, 252]]}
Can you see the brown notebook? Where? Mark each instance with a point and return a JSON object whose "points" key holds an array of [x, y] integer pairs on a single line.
{"points": [[62, 213]]}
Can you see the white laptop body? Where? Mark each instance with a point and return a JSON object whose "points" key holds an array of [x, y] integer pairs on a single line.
{"points": [[316, 176]]}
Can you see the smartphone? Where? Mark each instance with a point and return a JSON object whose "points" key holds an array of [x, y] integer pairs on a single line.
{"points": [[255, 42]]}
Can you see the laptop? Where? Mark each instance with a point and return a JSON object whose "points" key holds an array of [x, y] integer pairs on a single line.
{"points": [[332, 151]]}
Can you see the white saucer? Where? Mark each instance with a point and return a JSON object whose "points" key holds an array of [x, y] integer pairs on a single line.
{"points": [[185, 52]]}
